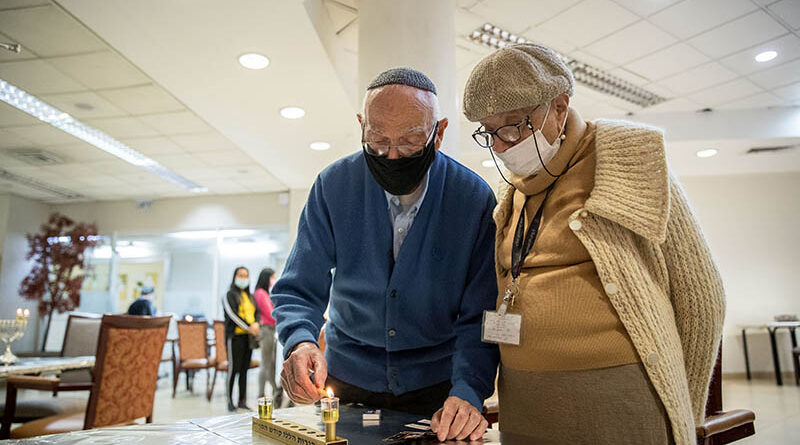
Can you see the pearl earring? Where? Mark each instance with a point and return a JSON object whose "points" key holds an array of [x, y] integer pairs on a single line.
{"points": [[563, 137]]}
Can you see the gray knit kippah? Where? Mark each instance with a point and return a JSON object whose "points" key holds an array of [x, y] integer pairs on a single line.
{"points": [[403, 76]]}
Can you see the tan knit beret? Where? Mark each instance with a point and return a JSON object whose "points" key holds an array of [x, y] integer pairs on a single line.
{"points": [[514, 77]]}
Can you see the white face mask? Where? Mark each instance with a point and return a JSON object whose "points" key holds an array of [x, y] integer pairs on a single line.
{"points": [[523, 160], [241, 283]]}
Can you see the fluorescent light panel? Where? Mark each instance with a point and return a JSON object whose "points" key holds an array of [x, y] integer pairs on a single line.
{"points": [[38, 185], [594, 78], [37, 108]]}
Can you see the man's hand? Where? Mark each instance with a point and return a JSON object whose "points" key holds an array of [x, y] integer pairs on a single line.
{"points": [[457, 419], [254, 329], [295, 375]]}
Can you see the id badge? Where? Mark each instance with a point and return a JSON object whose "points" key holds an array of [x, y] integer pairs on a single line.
{"points": [[503, 329]]}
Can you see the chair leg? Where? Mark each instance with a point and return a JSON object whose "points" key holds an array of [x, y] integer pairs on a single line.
{"points": [[213, 382], [175, 376], [189, 374], [796, 369], [8, 414]]}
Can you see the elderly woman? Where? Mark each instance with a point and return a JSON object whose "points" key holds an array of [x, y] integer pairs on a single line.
{"points": [[610, 308]]}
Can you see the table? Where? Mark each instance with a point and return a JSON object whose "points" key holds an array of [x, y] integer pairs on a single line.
{"points": [[772, 328], [38, 365], [237, 430]]}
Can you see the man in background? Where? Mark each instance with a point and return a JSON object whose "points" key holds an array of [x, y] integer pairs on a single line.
{"points": [[144, 304]]}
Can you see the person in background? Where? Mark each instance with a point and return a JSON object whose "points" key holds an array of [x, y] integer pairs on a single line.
{"points": [[602, 268], [267, 341], [241, 315], [144, 304]]}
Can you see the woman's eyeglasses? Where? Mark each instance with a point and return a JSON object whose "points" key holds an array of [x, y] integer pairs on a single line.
{"points": [[510, 134]]}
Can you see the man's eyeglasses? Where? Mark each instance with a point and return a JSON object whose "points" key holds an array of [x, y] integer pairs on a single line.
{"points": [[510, 134], [381, 149]]}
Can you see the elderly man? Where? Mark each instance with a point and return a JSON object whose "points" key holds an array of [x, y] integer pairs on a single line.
{"points": [[399, 240], [604, 272]]}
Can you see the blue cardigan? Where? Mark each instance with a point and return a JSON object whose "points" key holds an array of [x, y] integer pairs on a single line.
{"points": [[395, 325]]}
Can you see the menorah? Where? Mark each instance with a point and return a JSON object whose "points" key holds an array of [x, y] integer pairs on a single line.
{"points": [[11, 330]]}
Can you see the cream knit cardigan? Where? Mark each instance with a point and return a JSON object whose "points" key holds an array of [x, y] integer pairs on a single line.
{"points": [[655, 265]]}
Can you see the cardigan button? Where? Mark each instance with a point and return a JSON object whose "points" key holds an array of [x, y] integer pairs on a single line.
{"points": [[393, 293], [652, 359], [575, 225], [392, 332], [611, 289], [584, 214]]}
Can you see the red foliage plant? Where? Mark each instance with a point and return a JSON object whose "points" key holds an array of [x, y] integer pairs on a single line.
{"points": [[57, 251]]}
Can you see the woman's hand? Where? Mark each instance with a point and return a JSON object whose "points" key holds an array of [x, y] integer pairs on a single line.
{"points": [[254, 329]]}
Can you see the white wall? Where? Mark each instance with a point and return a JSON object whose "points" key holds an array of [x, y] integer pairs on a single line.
{"points": [[23, 216], [749, 221], [166, 215], [189, 284]]}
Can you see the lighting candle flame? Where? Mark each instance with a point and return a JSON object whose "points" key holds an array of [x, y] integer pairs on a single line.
{"points": [[330, 413], [26, 313], [19, 312]]}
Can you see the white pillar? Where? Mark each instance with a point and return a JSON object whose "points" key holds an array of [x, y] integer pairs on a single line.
{"points": [[419, 34]]}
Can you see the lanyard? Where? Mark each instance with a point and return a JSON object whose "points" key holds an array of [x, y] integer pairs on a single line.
{"points": [[520, 249]]}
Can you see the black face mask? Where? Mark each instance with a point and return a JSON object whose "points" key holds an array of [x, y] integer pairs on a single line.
{"points": [[402, 176]]}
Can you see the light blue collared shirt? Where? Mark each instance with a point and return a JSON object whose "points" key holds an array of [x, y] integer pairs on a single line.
{"points": [[402, 215]]}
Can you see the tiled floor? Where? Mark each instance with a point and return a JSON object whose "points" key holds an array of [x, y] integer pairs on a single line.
{"points": [[777, 408]]}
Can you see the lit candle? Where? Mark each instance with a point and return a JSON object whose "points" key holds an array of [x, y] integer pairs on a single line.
{"points": [[26, 313], [330, 414], [19, 314]]}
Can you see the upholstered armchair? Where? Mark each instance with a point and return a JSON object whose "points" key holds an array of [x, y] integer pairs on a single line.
{"points": [[80, 339], [192, 353], [124, 384]]}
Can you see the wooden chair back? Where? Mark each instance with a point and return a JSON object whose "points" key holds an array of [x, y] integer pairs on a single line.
{"points": [[219, 342], [126, 369], [192, 340]]}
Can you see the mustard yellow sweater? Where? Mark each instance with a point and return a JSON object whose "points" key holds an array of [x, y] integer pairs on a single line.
{"points": [[568, 321]]}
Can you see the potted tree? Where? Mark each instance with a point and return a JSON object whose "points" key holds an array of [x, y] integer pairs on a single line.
{"points": [[57, 251]]}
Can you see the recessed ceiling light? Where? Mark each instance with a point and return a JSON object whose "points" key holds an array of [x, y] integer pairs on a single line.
{"points": [[253, 61], [320, 146], [707, 153], [766, 56], [292, 112], [488, 163]]}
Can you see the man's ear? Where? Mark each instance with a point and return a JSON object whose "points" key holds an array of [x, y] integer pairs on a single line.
{"points": [[440, 132], [360, 119]]}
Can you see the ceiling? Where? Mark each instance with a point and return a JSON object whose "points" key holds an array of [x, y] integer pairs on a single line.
{"points": [[68, 66], [219, 126], [697, 53]]}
